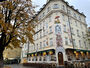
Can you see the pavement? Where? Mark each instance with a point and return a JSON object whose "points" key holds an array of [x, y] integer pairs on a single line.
{"points": [[17, 66]]}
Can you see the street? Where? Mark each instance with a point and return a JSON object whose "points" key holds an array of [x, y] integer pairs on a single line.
{"points": [[17, 66]]}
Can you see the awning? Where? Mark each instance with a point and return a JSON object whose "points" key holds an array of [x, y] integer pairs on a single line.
{"points": [[50, 51], [78, 50]]}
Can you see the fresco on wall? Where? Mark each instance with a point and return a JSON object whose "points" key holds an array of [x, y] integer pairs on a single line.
{"points": [[58, 36], [57, 29], [57, 19], [59, 40]]}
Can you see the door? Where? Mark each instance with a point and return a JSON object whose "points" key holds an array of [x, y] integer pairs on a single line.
{"points": [[60, 58]]}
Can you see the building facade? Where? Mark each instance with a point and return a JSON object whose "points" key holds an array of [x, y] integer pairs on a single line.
{"points": [[12, 53], [59, 35]]}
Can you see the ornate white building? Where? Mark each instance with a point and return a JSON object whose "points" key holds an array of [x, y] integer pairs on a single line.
{"points": [[59, 35]]}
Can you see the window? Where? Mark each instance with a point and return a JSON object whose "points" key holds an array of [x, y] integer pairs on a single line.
{"points": [[79, 18], [74, 43], [50, 29], [85, 44], [37, 35], [81, 25], [64, 28], [29, 59], [46, 25], [55, 6], [51, 41], [43, 14], [40, 34], [72, 30], [48, 9], [49, 18], [75, 15], [40, 45], [37, 47], [44, 44], [40, 59], [63, 17], [63, 7], [77, 32], [43, 32], [66, 41], [44, 58], [80, 43], [69, 12], [53, 58], [82, 33], [76, 23]]}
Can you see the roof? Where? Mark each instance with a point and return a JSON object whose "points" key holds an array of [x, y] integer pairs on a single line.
{"points": [[64, 2]]}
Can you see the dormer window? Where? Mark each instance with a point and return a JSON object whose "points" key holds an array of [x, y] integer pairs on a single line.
{"points": [[55, 6], [48, 9], [75, 15], [69, 12], [79, 18], [63, 7]]}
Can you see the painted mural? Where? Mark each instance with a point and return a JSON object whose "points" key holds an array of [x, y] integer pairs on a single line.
{"points": [[57, 29], [58, 36], [59, 40], [57, 19], [58, 32]]}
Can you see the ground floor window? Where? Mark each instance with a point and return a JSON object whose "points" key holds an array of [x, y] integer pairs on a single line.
{"points": [[44, 58], [53, 58], [32, 59], [29, 58], [40, 58]]}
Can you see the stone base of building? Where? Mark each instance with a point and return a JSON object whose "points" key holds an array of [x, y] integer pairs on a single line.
{"points": [[79, 64]]}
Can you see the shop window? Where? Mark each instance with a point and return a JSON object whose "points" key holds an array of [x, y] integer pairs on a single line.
{"points": [[53, 58], [44, 58], [40, 59], [29, 59], [36, 59], [32, 59], [70, 57]]}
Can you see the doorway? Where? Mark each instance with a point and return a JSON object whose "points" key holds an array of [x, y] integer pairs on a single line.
{"points": [[60, 58]]}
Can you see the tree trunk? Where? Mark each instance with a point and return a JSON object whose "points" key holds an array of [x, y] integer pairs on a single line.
{"points": [[1, 59]]}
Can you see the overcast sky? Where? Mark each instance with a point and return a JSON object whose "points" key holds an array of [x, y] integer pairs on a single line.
{"points": [[82, 5]]}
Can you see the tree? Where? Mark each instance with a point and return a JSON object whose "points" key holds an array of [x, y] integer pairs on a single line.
{"points": [[16, 23]]}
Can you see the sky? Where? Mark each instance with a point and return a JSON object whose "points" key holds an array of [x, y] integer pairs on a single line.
{"points": [[82, 5]]}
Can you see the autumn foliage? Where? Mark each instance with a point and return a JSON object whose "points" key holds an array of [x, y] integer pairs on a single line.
{"points": [[16, 23]]}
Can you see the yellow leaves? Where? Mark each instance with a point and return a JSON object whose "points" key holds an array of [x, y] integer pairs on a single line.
{"points": [[26, 15], [1, 15], [8, 5], [21, 28], [23, 40], [9, 46]]}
